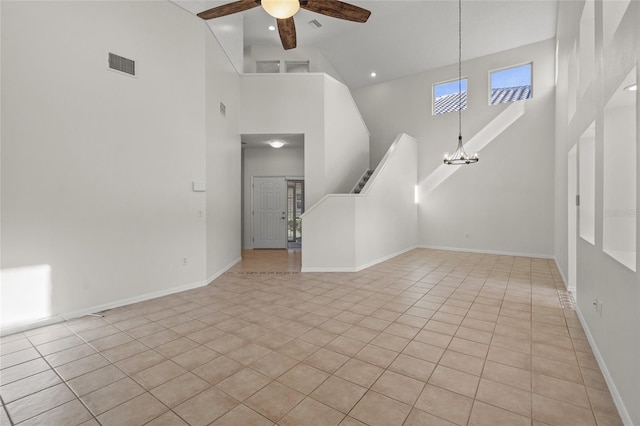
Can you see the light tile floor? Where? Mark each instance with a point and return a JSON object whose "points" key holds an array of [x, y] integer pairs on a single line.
{"points": [[269, 261], [429, 337]]}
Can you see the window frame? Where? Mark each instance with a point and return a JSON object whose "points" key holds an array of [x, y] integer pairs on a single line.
{"points": [[433, 95], [518, 65]]}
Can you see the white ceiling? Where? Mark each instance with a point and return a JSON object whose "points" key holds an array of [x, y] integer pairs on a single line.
{"points": [[403, 37]]}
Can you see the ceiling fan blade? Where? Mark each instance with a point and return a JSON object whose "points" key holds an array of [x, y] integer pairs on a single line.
{"points": [[228, 9], [287, 30], [337, 9]]}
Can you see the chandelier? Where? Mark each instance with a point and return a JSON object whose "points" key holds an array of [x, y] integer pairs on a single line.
{"points": [[460, 156]]}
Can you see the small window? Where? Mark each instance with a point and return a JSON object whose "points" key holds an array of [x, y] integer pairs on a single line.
{"points": [[267, 66], [510, 84], [297, 66], [450, 96]]}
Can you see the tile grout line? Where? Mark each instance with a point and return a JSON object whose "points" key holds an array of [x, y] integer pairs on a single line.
{"points": [[373, 287]]}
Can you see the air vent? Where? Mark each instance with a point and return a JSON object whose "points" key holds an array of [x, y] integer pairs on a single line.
{"points": [[315, 24], [119, 63]]}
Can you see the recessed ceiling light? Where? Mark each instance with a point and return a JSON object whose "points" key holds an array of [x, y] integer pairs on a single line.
{"points": [[373, 74], [272, 28], [276, 144], [632, 88]]}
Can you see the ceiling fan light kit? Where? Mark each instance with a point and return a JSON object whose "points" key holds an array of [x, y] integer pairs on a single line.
{"points": [[283, 11], [460, 156]]}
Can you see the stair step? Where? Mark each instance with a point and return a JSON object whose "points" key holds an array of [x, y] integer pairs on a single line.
{"points": [[363, 182]]}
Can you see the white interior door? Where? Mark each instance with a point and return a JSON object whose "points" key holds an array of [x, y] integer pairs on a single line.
{"points": [[269, 213]]}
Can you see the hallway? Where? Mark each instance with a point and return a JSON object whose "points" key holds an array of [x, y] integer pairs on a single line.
{"points": [[289, 260]]}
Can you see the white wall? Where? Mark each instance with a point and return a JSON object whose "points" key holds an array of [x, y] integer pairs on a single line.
{"points": [[335, 137], [263, 162], [346, 152], [289, 104], [97, 166], [614, 334], [504, 202], [229, 32], [350, 232], [387, 213], [223, 161], [329, 235]]}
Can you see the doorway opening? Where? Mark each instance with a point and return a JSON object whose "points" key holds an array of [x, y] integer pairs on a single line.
{"points": [[295, 208]]}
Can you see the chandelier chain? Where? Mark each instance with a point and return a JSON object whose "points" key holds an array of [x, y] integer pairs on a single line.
{"points": [[460, 156], [460, 68]]}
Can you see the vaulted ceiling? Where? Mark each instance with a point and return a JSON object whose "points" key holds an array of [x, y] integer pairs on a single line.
{"points": [[402, 37]]}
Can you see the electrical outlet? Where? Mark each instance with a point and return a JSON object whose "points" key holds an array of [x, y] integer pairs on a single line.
{"points": [[597, 306], [184, 261], [467, 235]]}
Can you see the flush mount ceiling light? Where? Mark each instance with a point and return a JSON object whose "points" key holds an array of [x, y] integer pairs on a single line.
{"points": [[373, 74], [460, 156], [281, 9], [276, 144], [632, 88]]}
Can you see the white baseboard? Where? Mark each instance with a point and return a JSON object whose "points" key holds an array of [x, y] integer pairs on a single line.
{"points": [[24, 326], [132, 300], [384, 258], [497, 252], [356, 268], [565, 281], [615, 395], [328, 269], [223, 270], [17, 328]]}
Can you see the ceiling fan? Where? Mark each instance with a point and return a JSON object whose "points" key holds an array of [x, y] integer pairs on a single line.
{"points": [[283, 11]]}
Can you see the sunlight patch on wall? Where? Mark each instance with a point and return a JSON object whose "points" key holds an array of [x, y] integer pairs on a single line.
{"points": [[25, 294], [478, 141]]}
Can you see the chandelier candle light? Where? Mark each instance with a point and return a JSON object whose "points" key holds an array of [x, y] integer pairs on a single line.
{"points": [[460, 156]]}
